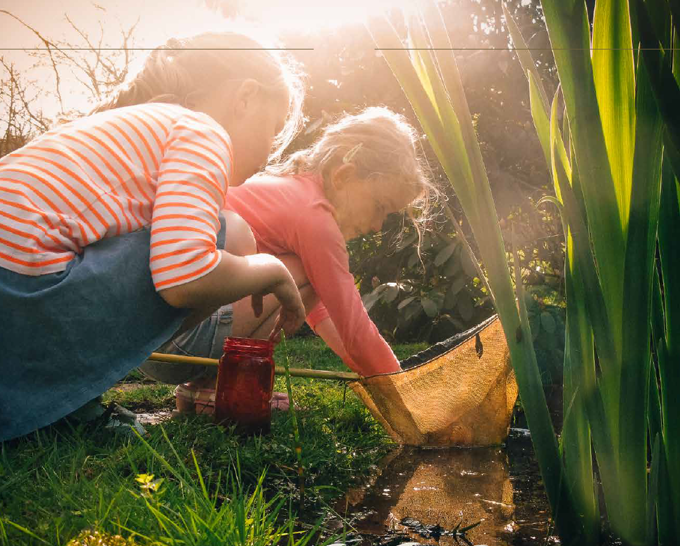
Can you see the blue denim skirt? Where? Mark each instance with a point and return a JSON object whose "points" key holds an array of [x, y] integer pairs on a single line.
{"points": [[67, 337]]}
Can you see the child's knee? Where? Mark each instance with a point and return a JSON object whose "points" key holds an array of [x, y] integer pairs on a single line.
{"points": [[239, 237]]}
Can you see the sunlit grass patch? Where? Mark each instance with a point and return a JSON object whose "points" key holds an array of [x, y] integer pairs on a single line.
{"points": [[141, 397], [70, 478]]}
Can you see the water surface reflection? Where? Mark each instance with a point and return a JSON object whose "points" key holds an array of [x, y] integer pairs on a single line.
{"points": [[423, 495]]}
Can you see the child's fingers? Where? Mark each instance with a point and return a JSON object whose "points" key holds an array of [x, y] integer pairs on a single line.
{"points": [[292, 313], [287, 321], [257, 303], [275, 336]]}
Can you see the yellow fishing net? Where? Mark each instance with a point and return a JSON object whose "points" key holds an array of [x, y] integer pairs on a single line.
{"points": [[458, 392]]}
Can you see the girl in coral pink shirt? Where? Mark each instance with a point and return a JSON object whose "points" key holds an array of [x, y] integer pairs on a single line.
{"points": [[303, 211]]}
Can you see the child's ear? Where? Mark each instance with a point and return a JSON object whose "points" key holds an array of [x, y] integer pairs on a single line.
{"points": [[342, 174], [244, 97]]}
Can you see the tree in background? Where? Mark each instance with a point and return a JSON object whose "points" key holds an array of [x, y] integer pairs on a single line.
{"points": [[96, 69]]}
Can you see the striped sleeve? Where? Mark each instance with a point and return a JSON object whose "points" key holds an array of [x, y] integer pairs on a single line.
{"points": [[192, 184]]}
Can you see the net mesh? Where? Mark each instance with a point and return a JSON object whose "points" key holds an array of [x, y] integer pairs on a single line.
{"points": [[458, 392]]}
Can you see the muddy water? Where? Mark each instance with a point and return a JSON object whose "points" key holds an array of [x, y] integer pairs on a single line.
{"points": [[423, 496]]}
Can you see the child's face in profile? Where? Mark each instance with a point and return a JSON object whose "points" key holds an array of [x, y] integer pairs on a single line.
{"points": [[362, 206]]}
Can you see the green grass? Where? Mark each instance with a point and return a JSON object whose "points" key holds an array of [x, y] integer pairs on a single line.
{"points": [[69, 477], [141, 397]]}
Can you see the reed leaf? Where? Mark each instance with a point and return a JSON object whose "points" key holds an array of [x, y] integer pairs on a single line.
{"points": [[579, 382], [651, 515], [540, 117], [666, 506], [596, 405], [597, 310], [661, 75], [669, 371], [526, 59], [569, 31], [665, 88], [639, 264], [619, 190], [614, 77], [475, 196]]}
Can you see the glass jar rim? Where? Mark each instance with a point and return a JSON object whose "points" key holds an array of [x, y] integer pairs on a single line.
{"points": [[260, 346]]}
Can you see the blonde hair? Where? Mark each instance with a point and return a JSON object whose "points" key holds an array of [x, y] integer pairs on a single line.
{"points": [[380, 143], [182, 67]]}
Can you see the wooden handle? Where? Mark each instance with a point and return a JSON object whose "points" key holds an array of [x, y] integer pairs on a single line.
{"points": [[278, 370]]}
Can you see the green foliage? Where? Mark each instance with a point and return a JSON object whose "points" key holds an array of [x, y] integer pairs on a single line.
{"points": [[437, 291], [546, 319]]}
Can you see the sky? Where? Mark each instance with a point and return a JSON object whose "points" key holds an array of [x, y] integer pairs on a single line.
{"points": [[159, 20]]}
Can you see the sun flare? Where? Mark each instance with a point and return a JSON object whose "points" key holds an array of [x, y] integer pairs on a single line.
{"points": [[309, 15]]}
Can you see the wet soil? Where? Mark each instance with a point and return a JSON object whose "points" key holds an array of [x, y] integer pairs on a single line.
{"points": [[429, 496]]}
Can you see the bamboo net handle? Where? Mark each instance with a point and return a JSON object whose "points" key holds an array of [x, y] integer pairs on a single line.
{"points": [[278, 370]]}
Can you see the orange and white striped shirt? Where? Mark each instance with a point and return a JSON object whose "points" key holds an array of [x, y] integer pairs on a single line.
{"points": [[157, 165]]}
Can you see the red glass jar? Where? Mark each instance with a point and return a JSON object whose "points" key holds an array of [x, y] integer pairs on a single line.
{"points": [[245, 384]]}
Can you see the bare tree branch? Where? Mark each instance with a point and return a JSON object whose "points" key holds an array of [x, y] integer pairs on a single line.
{"points": [[99, 73], [49, 45]]}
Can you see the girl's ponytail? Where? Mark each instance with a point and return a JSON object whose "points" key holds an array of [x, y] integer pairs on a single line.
{"points": [[182, 67]]}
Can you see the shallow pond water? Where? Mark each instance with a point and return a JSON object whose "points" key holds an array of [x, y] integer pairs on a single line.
{"points": [[422, 496]]}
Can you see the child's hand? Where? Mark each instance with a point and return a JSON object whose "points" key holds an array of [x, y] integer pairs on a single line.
{"points": [[292, 313]]}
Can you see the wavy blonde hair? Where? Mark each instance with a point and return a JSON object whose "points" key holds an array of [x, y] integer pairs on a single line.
{"points": [[380, 143], [182, 67]]}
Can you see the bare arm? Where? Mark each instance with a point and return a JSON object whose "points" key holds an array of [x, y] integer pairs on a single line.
{"points": [[236, 277], [326, 330]]}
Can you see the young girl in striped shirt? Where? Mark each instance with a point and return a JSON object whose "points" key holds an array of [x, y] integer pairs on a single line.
{"points": [[303, 210], [111, 230]]}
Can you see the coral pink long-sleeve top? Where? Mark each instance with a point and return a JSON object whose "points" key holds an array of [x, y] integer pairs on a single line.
{"points": [[291, 214], [156, 165]]}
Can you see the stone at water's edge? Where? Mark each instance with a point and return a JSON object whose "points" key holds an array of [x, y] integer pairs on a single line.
{"points": [[154, 418]]}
